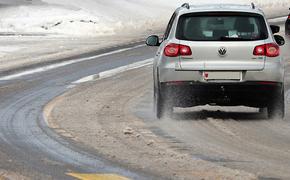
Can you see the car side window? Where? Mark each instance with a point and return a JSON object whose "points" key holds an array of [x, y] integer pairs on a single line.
{"points": [[169, 26]]}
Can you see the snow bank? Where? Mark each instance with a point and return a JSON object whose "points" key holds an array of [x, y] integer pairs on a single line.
{"points": [[99, 17]]}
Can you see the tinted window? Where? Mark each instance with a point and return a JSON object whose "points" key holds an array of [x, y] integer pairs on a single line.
{"points": [[222, 27]]}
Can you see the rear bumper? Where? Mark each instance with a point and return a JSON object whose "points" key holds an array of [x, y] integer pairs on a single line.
{"points": [[273, 71], [189, 93]]}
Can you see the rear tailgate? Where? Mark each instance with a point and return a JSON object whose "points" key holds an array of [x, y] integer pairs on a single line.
{"points": [[206, 56]]}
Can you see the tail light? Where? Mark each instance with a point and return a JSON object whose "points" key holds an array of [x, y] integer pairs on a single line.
{"points": [[289, 17], [269, 50], [174, 50]]}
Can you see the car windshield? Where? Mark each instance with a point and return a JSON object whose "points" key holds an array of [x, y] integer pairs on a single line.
{"points": [[221, 27]]}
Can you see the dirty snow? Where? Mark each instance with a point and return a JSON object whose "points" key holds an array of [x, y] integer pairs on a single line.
{"points": [[99, 17]]}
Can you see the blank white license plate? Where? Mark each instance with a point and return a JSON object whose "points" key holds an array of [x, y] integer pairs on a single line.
{"points": [[222, 75]]}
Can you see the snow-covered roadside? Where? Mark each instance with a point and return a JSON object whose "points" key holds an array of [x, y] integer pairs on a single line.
{"points": [[99, 17], [18, 52]]}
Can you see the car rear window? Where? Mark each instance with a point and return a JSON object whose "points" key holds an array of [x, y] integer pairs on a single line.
{"points": [[221, 26]]}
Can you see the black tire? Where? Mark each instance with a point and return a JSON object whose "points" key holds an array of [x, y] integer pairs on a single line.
{"points": [[161, 105], [276, 109]]}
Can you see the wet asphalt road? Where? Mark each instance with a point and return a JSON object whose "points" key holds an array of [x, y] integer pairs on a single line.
{"points": [[28, 146]]}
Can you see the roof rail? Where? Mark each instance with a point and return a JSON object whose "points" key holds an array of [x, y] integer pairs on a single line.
{"points": [[185, 5], [253, 5]]}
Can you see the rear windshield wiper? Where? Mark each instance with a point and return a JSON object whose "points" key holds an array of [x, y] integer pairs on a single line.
{"points": [[226, 38]]}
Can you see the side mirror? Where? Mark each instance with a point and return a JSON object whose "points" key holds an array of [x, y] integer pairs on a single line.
{"points": [[152, 41], [280, 40], [275, 29]]}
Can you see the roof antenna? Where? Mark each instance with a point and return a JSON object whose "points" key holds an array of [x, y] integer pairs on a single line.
{"points": [[253, 5], [185, 5]]}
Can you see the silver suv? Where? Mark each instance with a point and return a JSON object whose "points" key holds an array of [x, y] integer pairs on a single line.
{"points": [[222, 54]]}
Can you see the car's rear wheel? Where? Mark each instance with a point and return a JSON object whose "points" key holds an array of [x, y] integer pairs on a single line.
{"points": [[276, 109], [163, 107]]}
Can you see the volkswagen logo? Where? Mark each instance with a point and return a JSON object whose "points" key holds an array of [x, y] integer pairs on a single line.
{"points": [[222, 51]]}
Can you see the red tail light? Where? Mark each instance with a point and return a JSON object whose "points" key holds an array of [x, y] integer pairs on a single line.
{"points": [[171, 50], [174, 50], [289, 17], [269, 50], [184, 50]]}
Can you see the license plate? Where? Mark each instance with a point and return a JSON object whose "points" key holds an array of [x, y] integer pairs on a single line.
{"points": [[222, 75]]}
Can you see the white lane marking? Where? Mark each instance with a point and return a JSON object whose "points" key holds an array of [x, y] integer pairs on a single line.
{"points": [[126, 68], [115, 71], [86, 79], [71, 86], [54, 66]]}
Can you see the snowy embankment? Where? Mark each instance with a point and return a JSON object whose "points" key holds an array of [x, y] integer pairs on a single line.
{"points": [[99, 17]]}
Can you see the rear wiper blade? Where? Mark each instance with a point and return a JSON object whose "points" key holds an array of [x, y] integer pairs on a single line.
{"points": [[226, 38]]}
